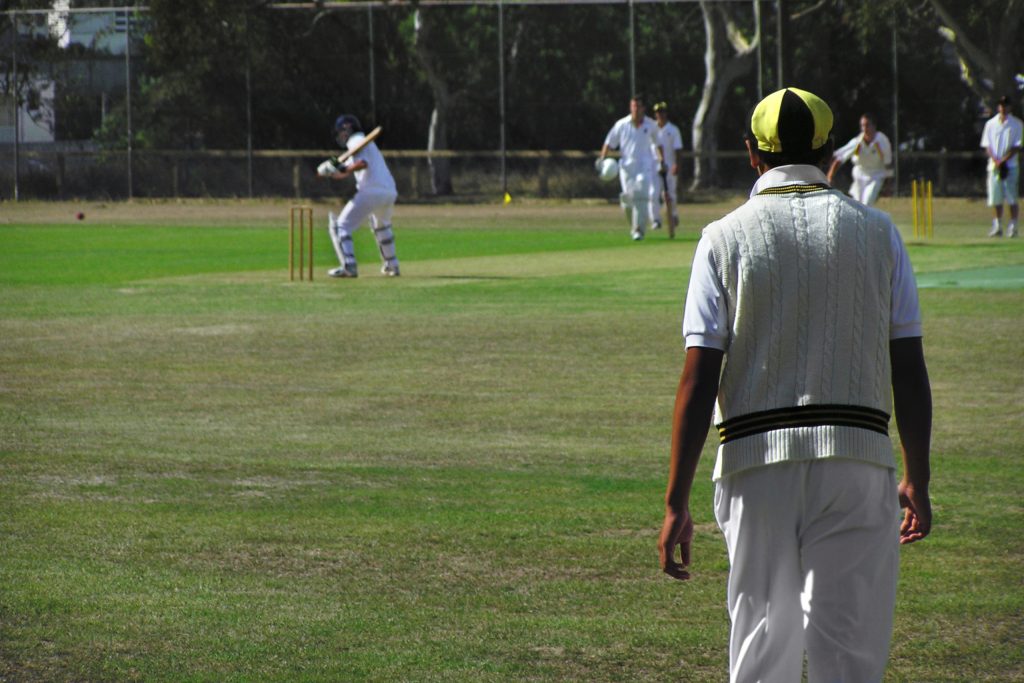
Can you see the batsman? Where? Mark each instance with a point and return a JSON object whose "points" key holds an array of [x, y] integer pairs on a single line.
{"points": [[374, 199], [670, 140]]}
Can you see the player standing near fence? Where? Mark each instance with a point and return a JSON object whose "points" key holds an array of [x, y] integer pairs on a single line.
{"points": [[871, 152], [374, 199], [636, 138], [803, 333], [670, 140], [1003, 138]]}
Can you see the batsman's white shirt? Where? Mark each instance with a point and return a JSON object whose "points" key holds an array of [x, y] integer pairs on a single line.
{"points": [[1002, 136], [636, 144], [375, 178], [670, 140], [872, 157]]}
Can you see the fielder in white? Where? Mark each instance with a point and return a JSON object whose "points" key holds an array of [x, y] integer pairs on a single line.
{"points": [[803, 336], [636, 138], [1003, 138], [871, 152], [670, 140], [374, 200]]}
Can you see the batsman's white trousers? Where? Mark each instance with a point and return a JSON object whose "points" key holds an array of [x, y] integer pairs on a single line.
{"points": [[814, 561], [671, 185], [375, 205], [867, 185]]}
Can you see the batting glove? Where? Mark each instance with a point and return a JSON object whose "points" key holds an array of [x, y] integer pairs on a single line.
{"points": [[326, 169]]}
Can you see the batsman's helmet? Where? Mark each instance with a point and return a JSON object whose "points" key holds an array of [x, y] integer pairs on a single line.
{"points": [[349, 123]]}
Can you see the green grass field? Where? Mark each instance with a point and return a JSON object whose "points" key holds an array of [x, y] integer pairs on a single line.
{"points": [[210, 473]]}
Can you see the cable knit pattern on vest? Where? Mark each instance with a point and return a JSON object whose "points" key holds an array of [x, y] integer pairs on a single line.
{"points": [[807, 373]]}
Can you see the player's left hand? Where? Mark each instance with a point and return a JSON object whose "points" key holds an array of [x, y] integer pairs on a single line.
{"points": [[677, 530], [917, 513]]}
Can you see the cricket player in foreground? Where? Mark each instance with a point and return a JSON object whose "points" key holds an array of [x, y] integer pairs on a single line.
{"points": [[636, 136], [871, 152], [803, 333], [374, 200]]}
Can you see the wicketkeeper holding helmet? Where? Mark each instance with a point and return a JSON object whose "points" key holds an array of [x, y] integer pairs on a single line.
{"points": [[375, 199]]}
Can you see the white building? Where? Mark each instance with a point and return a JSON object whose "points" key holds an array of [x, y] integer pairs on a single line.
{"points": [[100, 78]]}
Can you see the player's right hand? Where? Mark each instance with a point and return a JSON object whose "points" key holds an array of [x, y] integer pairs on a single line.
{"points": [[677, 530]]}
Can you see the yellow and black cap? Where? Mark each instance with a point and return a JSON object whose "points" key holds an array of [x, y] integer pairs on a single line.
{"points": [[791, 121]]}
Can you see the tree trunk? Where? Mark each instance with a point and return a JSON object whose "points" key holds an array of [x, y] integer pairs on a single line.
{"points": [[727, 56], [437, 136]]}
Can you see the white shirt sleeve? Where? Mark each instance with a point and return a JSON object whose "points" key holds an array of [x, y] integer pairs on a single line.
{"points": [[886, 146], [612, 139], [905, 318], [846, 151], [706, 314]]}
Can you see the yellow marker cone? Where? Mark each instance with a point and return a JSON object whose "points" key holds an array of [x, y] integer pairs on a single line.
{"points": [[508, 198]]}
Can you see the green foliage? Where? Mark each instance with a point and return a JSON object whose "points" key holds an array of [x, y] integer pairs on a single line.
{"points": [[567, 71]]}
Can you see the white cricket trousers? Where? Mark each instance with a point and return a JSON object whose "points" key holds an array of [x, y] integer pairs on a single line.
{"points": [[373, 205], [638, 191], [867, 186], [814, 561]]}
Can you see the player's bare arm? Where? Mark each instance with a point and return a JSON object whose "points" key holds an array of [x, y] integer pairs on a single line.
{"points": [[691, 419], [836, 163], [912, 405]]}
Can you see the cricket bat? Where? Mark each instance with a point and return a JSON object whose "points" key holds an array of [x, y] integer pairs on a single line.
{"points": [[370, 137], [668, 205]]}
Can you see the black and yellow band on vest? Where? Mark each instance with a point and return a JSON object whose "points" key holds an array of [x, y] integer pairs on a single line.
{"points": [[795, 189], [803, 416]]}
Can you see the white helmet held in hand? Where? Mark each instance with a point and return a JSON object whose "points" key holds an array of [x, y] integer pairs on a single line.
{"points": [[608, 169]]}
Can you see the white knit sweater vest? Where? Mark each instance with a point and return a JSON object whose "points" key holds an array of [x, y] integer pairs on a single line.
{"points": [[807, 277]]}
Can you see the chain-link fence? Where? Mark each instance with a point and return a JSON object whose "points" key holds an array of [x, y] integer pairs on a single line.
{"points": [[125, 102]]}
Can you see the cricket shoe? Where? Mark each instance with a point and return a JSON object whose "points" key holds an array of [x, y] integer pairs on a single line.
{"points": [[390, 270], [996, 231], [342, 271], [656, 225], [637, 235], [1011, 231]]}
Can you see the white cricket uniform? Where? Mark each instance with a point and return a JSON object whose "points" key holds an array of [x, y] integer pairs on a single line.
{"points": [[813, 543], [670, 140], [872, 164], [999, 137], [374, 200], [638, 167]]}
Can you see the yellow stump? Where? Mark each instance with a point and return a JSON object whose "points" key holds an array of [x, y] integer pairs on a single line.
{"points": [[922, 205], [931, 228], [913, 203], [300, 217]]}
